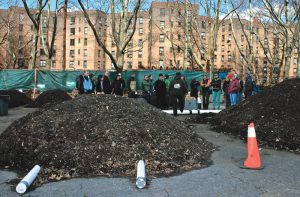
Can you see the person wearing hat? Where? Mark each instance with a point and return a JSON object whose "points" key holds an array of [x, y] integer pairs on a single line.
{"points": [[118, 85], [233, 90], [205, 85], [160, 91], [177, 92], [216, 84], [106, 83]]}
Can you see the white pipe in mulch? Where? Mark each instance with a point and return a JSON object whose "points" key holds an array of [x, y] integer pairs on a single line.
{"points": [[189, 112], [141, 175], [28, 179]]}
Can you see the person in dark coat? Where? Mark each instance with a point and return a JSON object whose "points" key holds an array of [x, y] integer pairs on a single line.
{"points": [[106, 84], [225, 90], [205, 85], [194, 88], [118, 85], [177, 93], [248, 87], [160, 91], [99, 84], [93, 83]]}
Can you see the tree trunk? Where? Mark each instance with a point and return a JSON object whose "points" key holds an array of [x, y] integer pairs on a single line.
{"points": [[32, 63]]}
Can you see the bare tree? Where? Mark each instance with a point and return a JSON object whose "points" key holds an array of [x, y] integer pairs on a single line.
{"points": [[48, 45], [35, 18], [14, 43], [123, 26]]}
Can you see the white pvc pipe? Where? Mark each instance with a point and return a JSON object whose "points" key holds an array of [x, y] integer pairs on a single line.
{"points": [[188, 112], [28, 179], [141, 175]]}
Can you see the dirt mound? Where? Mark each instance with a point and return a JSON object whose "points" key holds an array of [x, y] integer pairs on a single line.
{"points": [[50, 97], [17, 98], [96, 135], [276, 115]]}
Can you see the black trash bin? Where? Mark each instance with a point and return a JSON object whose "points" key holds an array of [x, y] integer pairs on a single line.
{"points": [[4, 101]]}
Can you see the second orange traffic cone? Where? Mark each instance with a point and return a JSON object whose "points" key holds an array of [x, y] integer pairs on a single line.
{"points": [[253, 159]]}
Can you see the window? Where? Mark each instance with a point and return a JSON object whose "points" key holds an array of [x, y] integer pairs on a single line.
{"points": [[79, 29], [20, 52], [222, 58], [140, 42], [113, 53], [99, 53], [295, 61], [179, 24], [31, 27], [203, 36], [161, 63], [161, 50], [78, 40], [242, 38], [21, 17], [140, 53], [20, 27], [172, 23], [129, 54], [178, 63], [241, 58], [86, 30], [162, 11], [85, 42], [130, 43], [179, 37], [229, 38], [171, 63], [21, 38], [72, 20], [223, 38], [72, 53], [256, 60], [85, 52], [161, 38], [78, 63], [42, 52], [242, 48], [229, 27], [140, 31], [222, 48], [162, 24], [129, 65], [223, 27], [229, 58], [84, 64], [53, 64], [42, 63], [171, 49], [215, 58], [54, 52], [140, 65], [265, 42], [140, 20], [296, 50], [229, 47], [72, 42], [203, 25], [178, 49], [72, 31]]}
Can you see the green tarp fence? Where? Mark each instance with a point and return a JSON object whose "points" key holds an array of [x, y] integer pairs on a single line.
{"points": [[66, 80]]}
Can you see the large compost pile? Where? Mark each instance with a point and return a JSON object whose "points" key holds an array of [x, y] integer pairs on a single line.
{"points": [[94, 135], [276, 115], [17, 98], [50, 97]]}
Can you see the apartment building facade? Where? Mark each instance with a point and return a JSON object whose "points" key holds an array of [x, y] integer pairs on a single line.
{"points": [[159, 42]]}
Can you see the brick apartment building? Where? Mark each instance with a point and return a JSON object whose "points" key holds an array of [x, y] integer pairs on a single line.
{"points": [[158, 41]]}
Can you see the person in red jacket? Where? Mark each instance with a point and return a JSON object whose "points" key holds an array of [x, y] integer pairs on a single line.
{"points": [[233, 89]]}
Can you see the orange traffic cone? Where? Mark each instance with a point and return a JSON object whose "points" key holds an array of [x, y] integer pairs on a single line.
{"points": [[253, 159]]}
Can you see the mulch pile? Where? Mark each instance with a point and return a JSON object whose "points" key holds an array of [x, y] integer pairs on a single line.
{"points": [[17, 98], [50, 97], [276, 116], [101, 135]]}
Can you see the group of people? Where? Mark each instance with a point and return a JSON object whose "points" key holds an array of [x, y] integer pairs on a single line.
{"points": [[165, 92]]}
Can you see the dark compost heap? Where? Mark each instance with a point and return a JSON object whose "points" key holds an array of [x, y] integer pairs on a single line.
{"points": [[17, 98], [94, 135], [50, 97], [276, 115]]}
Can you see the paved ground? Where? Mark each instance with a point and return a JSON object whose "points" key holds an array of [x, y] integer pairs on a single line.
{"points": [[281, 176]]}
